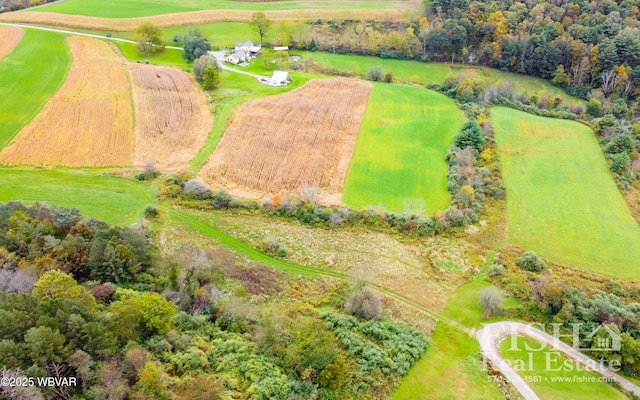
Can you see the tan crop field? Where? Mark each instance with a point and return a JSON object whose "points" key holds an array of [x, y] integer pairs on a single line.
{"points": [[279, 144], [198, 17], [10, 38], [89, 122], [172, 118]]}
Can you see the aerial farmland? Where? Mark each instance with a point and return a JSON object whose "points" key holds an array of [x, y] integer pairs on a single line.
{"points": [[220, 199]]}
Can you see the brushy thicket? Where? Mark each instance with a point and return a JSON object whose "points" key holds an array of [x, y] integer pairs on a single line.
{"points": [[191, 192], [567, 297], [187, 325]]}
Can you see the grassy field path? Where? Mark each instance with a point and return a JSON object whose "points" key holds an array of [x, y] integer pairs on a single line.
{"points": [[29, 76], [400, 152], [561, 198]]}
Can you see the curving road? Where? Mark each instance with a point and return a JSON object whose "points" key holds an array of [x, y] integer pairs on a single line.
{"points": [[491, 335]]}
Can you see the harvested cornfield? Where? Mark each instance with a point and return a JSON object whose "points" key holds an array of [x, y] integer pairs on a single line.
{"points": [[279, 144], [10, 38], [172, 119], [199, 17], [89, 122]]}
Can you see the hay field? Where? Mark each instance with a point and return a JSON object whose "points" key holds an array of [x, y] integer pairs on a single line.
{"points": [[562, 201], [89, 122], [277, 144], [197, 17], [172, 119], [10, 38]]}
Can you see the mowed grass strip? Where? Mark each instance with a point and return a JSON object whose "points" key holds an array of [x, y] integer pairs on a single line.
{"points": [[550, 373], [10, 38], [29, 76], [142, 8], [114, 200], [89, 122], [399, 157], [562, 201]]}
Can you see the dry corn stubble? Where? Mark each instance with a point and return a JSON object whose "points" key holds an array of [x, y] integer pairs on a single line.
{"points": [[172, 118], [89, 122], [277, 145], [10, 38]]}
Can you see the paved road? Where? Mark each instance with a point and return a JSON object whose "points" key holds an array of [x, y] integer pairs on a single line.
{"points": [[219, 55], [491, 335]]}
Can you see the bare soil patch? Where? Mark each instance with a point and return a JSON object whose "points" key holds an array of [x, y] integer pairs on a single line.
{"points": [[89, 122], [10, 38], [172, 119], [278, 144]]}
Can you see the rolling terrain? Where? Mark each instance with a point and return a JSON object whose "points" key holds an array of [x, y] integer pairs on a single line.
{"points": [[398, 159], [562, 201]]}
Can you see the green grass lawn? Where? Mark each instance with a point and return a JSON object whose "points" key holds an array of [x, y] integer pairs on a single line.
{"points": [[543, 367], [399, 156], [111, 199], [141, 8], [169, 57], [426, 73], [562, 201], [29, 76]]}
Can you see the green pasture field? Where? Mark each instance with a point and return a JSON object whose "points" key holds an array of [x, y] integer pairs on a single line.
{"points": [[142, 8], [548, 365], [29, 76], [426, 73], [562, 200], [112, 199], [399, 156]]}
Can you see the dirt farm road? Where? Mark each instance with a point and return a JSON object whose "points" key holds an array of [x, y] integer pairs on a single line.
{"points": [[491, 335]]}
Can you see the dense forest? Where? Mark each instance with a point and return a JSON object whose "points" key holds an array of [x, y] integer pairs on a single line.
{"points": [[580, 45], [109, 307]]}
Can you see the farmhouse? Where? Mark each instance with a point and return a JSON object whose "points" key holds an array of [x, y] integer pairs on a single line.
{"points": [[280, 78], [253, 49], [238, 57]]}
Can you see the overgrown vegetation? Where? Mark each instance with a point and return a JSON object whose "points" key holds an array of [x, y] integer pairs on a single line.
{"points": [[568, 296], [180, 325]]}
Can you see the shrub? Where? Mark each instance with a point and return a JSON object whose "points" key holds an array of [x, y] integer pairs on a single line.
{"points": [[151, 212], [221, 199], [365, 303], [388, 77], [271, 246], [492, 302], [619, 144], [197, 188], [531, 262], [375, 73], [621, 163], [496, 269], [103, 293]]}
